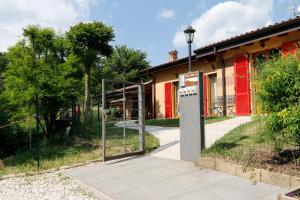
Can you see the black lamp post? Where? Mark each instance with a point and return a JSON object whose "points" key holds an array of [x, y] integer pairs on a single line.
{"points": [[189, 35]]}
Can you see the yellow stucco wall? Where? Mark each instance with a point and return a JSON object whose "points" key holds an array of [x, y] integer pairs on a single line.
{"points": [[171, 75]]}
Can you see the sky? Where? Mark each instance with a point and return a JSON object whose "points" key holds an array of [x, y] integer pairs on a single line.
{"points": [[153, 26]]}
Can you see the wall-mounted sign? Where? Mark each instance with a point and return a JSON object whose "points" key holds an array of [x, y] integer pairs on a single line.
{"points": [[191, 79], [188, 83], [188, 90]]}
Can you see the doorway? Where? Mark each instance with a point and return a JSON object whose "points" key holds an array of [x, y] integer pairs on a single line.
{"points": [[212, 94], [175, 99]]}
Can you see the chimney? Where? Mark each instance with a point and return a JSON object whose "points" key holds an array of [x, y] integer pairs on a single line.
{"points": [[173, 56]]}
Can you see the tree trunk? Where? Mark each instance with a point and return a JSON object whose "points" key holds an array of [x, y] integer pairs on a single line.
{"points": [[87, 98], [50, 125]]}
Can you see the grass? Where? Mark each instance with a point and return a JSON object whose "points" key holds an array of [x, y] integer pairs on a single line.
{"points": [[175, 122], [84, 147], [240, 138], [246, 146]]}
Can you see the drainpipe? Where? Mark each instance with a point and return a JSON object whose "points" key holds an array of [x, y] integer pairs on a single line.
{"points": [[153, 98], [223, 81]]}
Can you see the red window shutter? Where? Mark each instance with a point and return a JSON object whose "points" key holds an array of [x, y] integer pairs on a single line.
{"points": [[168, 100], [205, 94], [289, 48], [242, 86]]}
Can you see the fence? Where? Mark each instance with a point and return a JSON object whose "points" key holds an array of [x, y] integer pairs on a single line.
{"points": [[239, 134], [27, 145], [21, 138], [123, 115], [112, 128]]}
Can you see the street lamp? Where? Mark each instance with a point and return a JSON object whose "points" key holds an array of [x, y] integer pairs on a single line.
{"points": [[189, 35]]}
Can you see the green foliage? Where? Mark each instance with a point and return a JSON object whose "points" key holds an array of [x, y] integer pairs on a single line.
{"points": [[3, 62], [90, 42], [7, 140], [6, 132], [279, 84], [38, 66], [3, 101], [124, 64], [278, 93], [52, 65]]}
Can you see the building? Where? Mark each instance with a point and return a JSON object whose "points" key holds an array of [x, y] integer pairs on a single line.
{"points": [[229, 66]]}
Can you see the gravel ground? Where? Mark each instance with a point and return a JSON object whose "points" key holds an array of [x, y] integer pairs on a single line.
{"points": [[51, 186]]}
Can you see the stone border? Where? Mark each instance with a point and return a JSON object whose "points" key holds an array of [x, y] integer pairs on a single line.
{"points": [[254, 174], [32, 173]]}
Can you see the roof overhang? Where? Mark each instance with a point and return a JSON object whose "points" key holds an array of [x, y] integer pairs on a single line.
{"points": [[231, 43], [254, 36]]}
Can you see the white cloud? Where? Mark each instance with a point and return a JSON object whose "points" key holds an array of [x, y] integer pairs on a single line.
{"points": [[227, 19], [166, 14], [59, 14]]}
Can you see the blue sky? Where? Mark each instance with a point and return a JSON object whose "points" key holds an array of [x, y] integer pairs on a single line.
{"points": [[152, 26]]}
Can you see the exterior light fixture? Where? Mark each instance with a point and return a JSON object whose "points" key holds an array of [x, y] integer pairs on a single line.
{"points": [[189, 35]]}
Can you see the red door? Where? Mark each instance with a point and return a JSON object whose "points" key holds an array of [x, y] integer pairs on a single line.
{"points": [[168, 100], [205, 95], [242, 86], [289, 48]]}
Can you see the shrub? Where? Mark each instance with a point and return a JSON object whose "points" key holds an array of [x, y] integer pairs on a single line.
{"points": [[279, 98]]}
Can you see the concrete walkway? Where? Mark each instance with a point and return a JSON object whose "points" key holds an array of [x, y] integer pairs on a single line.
{"points": [[156, 177], [170, 137], [159, 178]]}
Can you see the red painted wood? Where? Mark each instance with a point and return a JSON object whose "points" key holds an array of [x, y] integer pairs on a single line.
{"points": [[242, 85], [289, 48], [205, 95], [168, 100]]}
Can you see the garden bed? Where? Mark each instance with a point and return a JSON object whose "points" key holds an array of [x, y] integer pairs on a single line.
{"points": [[244, 146]]}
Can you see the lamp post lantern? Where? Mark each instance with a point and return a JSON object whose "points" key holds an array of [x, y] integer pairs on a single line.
{"points": [[189, 35]]}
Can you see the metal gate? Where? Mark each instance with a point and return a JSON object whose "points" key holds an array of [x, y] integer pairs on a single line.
{"points": [[123, 119]]}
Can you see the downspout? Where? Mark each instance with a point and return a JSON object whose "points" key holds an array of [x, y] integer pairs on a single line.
{"points": [[224, 113], [153, 98]]}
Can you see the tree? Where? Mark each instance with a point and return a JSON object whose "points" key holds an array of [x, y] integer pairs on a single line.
{"points": [[3, 65], [3, 62], [4, 108], [124, 64], [89, 42], [38, 66]]}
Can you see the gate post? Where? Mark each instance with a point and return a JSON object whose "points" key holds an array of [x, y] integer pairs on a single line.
{"points": [[191, 115], [202, 115], [38, 130], [124, 117], [103, 122], [141, 111]]}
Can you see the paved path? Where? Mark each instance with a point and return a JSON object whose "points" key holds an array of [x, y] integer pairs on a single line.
{"points": [[170, 137], [159, 178], [156, 177]]}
